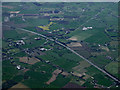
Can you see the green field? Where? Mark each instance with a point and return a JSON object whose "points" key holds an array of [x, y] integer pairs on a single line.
{"points": [[112, 67], [101, 61], [9, 70]]}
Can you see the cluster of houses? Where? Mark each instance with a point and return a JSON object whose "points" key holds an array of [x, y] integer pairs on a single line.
{"points": [[20, 42], [13, 13]]}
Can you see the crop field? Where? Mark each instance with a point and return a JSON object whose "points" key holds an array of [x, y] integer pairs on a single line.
{"points": [[112, 68], [102, 80], [29, 60], [37, 21], [100, 60], [7, 70], [92, 71], [80, 69], [101, 38], [65, 62], [82, 36]]}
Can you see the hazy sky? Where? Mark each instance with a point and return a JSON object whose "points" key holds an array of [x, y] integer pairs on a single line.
{"points": [[62, 0]]}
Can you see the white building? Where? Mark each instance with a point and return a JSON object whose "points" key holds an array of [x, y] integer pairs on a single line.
{"points": [[18, 67], [12, 15], [86, 28], [38, 38], [42, 49], [6, 19]]}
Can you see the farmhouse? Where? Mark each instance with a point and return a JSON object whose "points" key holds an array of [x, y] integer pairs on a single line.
{"points": [[12, 15], [38, 38], [86, 28], [18, 67], [14, 12], [46, 14], [47, 61], [6, 19], [43, 49]]}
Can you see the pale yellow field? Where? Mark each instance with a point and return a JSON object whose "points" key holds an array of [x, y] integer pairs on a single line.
{"points": [[46, 27]]}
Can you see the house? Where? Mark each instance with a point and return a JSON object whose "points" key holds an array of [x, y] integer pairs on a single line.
{"points": [[49, 32], [43, 49], [6, 19], [46, 14], [38, 38], [86, 28], [12, 15], [83, 10], [47, 61], [16, 12], [99, 45], [18, 67]]}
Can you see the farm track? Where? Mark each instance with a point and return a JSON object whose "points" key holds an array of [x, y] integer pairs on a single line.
{"points": [[90, 19]]}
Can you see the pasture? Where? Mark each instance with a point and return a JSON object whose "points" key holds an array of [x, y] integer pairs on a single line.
{"points": [[112, 67]]}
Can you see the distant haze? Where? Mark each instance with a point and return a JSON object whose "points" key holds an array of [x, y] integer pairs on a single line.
{"points": [[61, 0]]}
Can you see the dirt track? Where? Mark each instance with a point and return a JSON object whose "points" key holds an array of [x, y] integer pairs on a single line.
{"points": [[54, 75]]}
